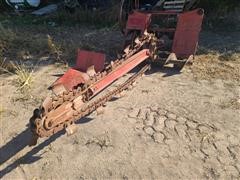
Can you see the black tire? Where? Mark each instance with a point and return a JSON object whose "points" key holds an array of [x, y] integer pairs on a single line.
{"points": [[126, 7]]}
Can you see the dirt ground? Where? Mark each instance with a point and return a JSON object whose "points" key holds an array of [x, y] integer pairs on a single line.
{"points": [[170, 126]]}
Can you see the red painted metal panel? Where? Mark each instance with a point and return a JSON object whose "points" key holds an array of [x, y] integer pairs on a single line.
{"points": [[187, 33], [128, 65], [71, 79], [138, 21], [85, 59]]}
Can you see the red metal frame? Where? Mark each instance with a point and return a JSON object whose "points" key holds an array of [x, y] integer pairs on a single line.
{"points": [[78, 75], [128, 65], [184, 44], [85, 59], [75, 77], [71, 78], [187, 33], [138, 21]]}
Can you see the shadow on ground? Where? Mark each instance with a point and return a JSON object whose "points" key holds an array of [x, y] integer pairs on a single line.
{"points": [[18, 143], [166, 71]]}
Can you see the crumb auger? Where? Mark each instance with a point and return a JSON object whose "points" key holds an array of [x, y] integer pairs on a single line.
{"points": [[80, 91]]}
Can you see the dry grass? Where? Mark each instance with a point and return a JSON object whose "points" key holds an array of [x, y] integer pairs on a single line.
{"points": [[229, 56], [54, 49], [103, 140], [98, 18], [232, 103], [217, 66], [22, 44], [24, 78], [5, 67], [6, 37]]}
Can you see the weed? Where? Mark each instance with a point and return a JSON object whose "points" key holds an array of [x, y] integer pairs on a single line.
{"points": [[54, 49], [5, 67], [35, 44], [24, 77], [103, 141]]}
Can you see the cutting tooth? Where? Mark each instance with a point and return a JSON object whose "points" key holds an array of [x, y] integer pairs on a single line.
{"points": [[121, 94], [57, 103], [137, 41], [130, 87], [100, 110], [145, 33], [78, 103], [47, 104], [71, 129], [59, 89], [126, 50], [134, 84]]}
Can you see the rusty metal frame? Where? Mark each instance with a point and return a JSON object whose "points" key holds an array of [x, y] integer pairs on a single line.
{"points": [[128, 65]]}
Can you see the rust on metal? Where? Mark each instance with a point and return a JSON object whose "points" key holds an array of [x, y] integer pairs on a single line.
{"points": [[138, 21], [128, 65], [57, 112], [71, 79], [187, 33], [85, 59], [74, 93]]}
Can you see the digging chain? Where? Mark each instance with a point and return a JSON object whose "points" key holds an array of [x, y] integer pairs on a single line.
{"points": [[40, 115]]}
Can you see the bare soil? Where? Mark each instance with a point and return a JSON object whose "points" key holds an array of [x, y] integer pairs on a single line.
{"points": [[170, 126]]}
